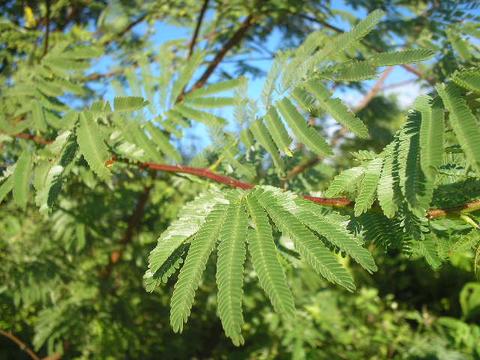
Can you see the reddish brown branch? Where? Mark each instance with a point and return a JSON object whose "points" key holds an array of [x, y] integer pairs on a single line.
{"points": [[232, 182], [132, 225], [20, 343], [232, 42], [374, 90], [200, 172], [34, 138], [193, 42], [47, 28]]}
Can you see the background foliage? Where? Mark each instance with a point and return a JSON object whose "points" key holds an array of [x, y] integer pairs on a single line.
{"points": [[97, 115]]}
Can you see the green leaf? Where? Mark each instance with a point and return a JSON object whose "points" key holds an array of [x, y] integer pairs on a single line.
{"points": [[464, 123], [338, 110], [407, 56], [333, 229], [201, 116], [128, 103], [468, 79], [211, 102], [261, 134], [48, 180], [38, 116], [351, 71], [308, 245], [21, 178], [5, 188], [415, 186], [163, 143], [92, 145], [192, 270], [265, 262], [278, 131], [231, 257], [431, 135], [386, 184], [302, 131], [458, 44], [142, 140], [343, 41], [368, 187], [192, 217], [345, 182], [215, 88]]}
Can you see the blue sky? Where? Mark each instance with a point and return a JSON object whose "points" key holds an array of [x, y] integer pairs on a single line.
{"points": [[165, 32]]}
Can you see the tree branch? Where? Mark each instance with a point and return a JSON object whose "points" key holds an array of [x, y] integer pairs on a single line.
{"points": [[20, 343], [133, 223], [197, 28], [374, 90], [233, 41], [47, 28], [206, 173]]}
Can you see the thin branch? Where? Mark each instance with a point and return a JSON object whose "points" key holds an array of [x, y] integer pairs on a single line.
{"points": [[47, 28], [34, 138], [20, 343], [232, 42], [126, 29], [133, 223], [206, 173], [193, 42], [374, 90]]}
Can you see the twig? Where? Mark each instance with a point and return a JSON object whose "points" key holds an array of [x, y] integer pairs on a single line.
{"points": [[47, 28], [232, 182], [133, 223], [234, 40], [20, 343], [197, 28], [374, 90]]}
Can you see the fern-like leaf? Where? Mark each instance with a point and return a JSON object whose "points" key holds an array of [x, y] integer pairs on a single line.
{"points": [[468, 79], [407, 56], [262, 135], [368, 187], [129, 103], [231, 257], [431, 135], [278, 131], [185, 74], [192, 270], [334, 231], [21, 179], [92, 145], [310, 247], [386, 183], [210, 102], [162, 142], [265, 262], [192, 216], [464, 123], [215, 88], [302, 131], [338, 110], [201, 116], [345, 181]]}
